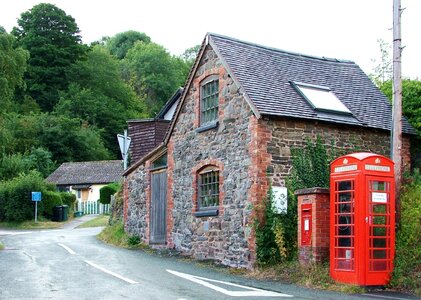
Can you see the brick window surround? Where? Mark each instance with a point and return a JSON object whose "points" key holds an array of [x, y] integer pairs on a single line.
{"points": [[204, 181]]}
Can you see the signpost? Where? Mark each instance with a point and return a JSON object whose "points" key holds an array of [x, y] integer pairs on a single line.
{"points": [[36, 197], [124, 143]]}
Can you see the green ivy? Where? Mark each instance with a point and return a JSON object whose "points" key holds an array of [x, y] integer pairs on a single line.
{"points": [[276, 234]]}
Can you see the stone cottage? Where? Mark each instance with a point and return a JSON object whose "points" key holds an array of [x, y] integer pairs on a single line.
{"points": [[242, 109]]}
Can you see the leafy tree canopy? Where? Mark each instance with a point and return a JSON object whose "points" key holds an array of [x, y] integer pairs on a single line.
{"points": [[66, 138], [153, 73], [52, 38], [99, 96], [411, 100], [122, 42], [12, 67]]}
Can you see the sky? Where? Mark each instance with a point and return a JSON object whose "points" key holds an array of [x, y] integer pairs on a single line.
{"points": [[343, 29]]}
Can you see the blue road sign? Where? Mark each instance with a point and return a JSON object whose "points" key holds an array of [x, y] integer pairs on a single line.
{"points": [[36, 196]]}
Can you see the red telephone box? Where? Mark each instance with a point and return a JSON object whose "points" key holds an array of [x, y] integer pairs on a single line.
{"points": [[362, 219]]}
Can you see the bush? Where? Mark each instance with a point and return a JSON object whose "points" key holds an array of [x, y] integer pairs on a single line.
{"points": [[68, 199], [16, 199], [407, 271], [107, 191], [49, 200]]}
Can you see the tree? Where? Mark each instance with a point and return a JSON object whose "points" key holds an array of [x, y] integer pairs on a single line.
{"points": [[153, 73], [122, 42], [52, 38], [13, 63], [66, 138], [190, 54], [383, 69], [411, 108], [99, 96]]}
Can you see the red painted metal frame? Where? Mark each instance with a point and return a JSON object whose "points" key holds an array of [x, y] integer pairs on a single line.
{"points": [[364, 254]]}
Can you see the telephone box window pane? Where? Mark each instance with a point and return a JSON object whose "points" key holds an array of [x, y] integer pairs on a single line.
{"points": [[378, 265], [378, 254], [379, 220], [344, 242], [379, 243], [379, 186], [379, 231], [344, 185], [344, 208], [379, 208], [345, 197]]}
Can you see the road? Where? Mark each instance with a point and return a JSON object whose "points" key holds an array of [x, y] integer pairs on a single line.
{"points": [[71, 263]]}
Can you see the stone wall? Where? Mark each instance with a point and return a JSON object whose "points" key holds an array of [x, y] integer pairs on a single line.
{"points": [[137, 204], [223, 237], [287, 133]]}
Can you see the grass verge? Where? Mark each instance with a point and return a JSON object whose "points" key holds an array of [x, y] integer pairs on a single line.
{"points": [[40, 224], [314, 276], [115, 235], [100, 221]]}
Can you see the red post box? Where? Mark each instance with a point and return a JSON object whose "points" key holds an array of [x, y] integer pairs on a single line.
{"points": [[306, 225], [362, 219]]}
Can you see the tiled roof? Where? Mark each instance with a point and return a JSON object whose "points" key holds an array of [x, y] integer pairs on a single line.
{"points": [[266, 75], [89, 172]]}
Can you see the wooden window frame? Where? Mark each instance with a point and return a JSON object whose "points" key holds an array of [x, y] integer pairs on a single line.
{"points": [[209, 102], [208, 182]]}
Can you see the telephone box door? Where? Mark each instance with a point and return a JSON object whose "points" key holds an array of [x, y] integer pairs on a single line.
{"points": [[379, 223], [343, 228]]}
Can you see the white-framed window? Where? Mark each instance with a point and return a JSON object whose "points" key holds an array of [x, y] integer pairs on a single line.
{"points": [[321, 98]]}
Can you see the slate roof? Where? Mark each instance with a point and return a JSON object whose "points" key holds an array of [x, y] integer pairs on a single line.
{"points": [[266, 75], [89, 172]]}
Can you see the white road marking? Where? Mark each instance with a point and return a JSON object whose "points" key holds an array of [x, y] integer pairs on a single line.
{"points": [[110, 272], [67, 249], [251, 292], [14, 232]]}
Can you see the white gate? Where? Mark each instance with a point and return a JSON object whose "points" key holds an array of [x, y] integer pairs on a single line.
{"points": [[93, 207]]}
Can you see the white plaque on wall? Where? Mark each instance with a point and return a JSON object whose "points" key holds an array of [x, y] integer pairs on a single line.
{"points": [[280, 202]]}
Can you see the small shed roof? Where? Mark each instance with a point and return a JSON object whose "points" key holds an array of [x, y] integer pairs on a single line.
{"points": [[88, 172]]}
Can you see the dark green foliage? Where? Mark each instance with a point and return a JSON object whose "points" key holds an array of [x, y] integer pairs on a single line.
{"points": [[49, 200], [411, 109], [100, 97], [54, 44], [122, 42], [16, 198], [133, 240], [12, 67], [38, 159], [107, 191], [407, 271], [311, 165], [67, 139], [153, 73], [267, 252], [68, 198], [276, 234]]}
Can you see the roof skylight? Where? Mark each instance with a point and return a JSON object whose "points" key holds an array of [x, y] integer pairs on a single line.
{"points": [[321, 98]]}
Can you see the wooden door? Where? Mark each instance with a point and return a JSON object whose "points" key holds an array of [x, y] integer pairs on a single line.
{"points": [[158, 213]]}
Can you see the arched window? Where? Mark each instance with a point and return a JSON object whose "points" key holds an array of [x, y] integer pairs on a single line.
{"points": [[208, 188]]}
